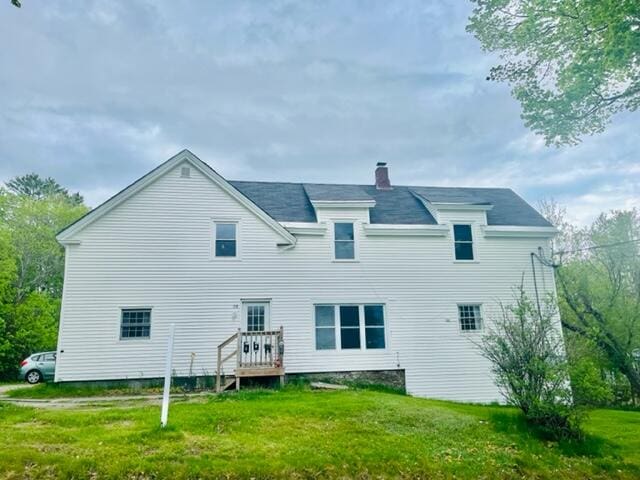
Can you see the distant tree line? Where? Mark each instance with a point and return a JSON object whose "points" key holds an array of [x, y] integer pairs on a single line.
{"points": [[32, 210], [598, 282]]}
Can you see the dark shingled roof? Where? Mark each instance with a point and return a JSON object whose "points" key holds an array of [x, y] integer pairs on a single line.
{"points": [[451, 195], [291, 202], [344, 193], [285, 202]]}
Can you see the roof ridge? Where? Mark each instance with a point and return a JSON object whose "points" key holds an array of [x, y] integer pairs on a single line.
{"points": [[364, 185]]}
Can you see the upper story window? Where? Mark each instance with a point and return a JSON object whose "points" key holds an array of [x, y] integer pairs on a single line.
{"points": [[226, 239], [463, 241], [349, 327], [345, 248], [470, 318], [135, 323]]}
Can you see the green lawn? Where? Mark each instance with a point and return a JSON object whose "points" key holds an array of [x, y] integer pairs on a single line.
{"points": [[297, 433], [58, 390]]}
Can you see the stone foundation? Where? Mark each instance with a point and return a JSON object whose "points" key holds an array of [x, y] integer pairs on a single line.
{"points": [[393, 379]]}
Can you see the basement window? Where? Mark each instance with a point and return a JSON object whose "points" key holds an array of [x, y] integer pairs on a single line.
{"points": [[135, 323], [463, 242]]}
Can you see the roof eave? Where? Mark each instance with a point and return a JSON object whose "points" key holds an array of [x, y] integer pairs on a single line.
{"points": [[343, 203]]}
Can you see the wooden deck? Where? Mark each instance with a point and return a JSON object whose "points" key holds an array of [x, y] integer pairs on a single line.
{"points": [[250, 354]]}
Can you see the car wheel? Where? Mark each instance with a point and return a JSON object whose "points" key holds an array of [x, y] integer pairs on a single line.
{"points": [[34, 376]]}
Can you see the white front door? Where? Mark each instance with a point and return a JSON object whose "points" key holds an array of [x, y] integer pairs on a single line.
{"points": [[256, 316]]}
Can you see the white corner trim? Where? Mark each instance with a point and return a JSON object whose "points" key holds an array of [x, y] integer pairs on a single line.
{"points": [[521, 232], [153, 175], [380, 229], [306, 228], [343, 203]]}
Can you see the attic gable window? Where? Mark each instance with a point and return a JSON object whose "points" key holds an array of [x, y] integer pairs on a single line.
{"points": [[344, 241], [226, 239], [463, 242]]}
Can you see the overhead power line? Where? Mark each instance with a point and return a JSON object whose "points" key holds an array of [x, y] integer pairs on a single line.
{"points": [[596, 247]]}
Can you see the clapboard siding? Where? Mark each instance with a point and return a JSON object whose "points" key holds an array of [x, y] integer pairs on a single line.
{"points": [[154, 250]]}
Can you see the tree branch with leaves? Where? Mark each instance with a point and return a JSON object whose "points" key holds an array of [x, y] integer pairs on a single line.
{"points": [[571, 65]]}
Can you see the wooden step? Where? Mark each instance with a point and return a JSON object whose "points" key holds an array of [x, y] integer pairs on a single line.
{"points": [[227, 384]]}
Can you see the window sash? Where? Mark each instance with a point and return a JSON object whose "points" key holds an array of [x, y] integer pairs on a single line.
{"points": [[463, 242], [325, 327], [226, 239], [256, 315], [470, 317], [135, 323], [344, 241]]}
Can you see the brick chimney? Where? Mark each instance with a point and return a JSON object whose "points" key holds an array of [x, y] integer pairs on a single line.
{"points": [[382, 176]]}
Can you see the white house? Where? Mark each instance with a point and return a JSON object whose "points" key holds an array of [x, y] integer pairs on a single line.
{"points": [[343, 278]]}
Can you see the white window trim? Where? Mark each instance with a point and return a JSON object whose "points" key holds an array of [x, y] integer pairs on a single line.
{"points": [[361, 325], [134, 339], [212, 243], [474, 237], [470, 332], [356, 246]]}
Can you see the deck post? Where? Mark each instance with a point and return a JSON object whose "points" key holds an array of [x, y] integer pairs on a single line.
{"points": [[219, 371], [239, 359], [281, 341]]}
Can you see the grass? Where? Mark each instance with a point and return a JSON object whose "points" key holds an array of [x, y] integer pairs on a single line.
{"points": [[298, 433], [58, 390]]}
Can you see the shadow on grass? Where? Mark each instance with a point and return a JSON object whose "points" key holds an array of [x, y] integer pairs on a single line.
{"points": [[514, 423]]}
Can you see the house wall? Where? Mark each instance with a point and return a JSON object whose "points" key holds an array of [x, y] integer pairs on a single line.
{"points": [[154, 250]]}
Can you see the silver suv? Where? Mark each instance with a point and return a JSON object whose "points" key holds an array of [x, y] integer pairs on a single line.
{"points": [[38, 367]]}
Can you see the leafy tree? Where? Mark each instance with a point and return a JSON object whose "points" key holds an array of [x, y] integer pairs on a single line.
{"points": [[32, 223], [571, 64], [592, 382], [31, 270], [600, 291], [7, 280], [34, 186], [32, 326], [526, 350]]}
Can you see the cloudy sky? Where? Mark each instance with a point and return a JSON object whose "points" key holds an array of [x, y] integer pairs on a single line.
{"points": [[96, 93]]}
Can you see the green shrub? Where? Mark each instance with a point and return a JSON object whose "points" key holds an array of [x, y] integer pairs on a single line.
{"points": [[526, 349]]}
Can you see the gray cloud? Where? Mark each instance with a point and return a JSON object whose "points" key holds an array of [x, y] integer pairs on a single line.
{"points": [[98, 94]]}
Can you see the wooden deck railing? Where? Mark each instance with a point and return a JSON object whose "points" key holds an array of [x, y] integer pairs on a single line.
{"points": [[255, 354]]}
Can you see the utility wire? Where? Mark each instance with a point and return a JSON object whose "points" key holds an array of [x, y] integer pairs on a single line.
{"points": [[595, 247]]}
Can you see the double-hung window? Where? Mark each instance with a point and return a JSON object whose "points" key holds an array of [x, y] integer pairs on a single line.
{"points": [[349, 327], [345, 245], [135, 323], [226, 239], [374, 326], [470, 318], [325, 327], [463, 242]]}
